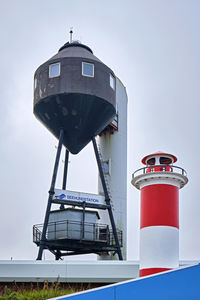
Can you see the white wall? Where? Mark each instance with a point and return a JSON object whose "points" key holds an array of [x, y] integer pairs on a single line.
{"points": [[113, 147]]}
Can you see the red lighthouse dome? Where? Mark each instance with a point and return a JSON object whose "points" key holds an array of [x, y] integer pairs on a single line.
{"points": [[159, 157]]}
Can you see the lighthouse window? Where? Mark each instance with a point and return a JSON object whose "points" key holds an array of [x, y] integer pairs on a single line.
{"points": [[87, 69], [54, 70], [112, 82], [151, 161], [165, 160]]}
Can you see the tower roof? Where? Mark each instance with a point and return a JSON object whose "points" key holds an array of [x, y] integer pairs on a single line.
{"points": [[159, 153], [75, 44]]}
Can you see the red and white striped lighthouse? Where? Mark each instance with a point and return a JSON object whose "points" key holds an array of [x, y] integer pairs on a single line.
{"points": [[159, 182]]}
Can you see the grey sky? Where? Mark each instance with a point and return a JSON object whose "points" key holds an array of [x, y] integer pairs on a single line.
{"points": [[153, 47]]}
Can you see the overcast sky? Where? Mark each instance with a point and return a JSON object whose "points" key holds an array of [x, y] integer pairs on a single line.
{"points": [[153, 46]]}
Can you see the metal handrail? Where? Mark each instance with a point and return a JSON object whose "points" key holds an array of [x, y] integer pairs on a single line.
{"points": [[71, 222], [165, 168], [71, 229]]}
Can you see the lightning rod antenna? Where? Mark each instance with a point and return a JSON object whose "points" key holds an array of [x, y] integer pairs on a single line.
{"points": [[71, 33]]}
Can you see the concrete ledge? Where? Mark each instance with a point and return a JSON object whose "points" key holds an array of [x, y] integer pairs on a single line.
{"points": [[68, 271]]}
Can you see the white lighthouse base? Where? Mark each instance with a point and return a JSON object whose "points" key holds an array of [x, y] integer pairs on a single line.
{"points": [[159, 247]]}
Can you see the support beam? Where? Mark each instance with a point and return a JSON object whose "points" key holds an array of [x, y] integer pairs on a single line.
{"points": [[69, 253], [57, 254], [83, 222], [80, 204], [107, 198], [51, 193], [72, 245], [65, 173]]}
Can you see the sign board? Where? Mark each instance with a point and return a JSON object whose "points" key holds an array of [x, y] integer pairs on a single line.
{"points": [[78, 196]]}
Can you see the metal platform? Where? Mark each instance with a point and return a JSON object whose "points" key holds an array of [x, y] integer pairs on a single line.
{"points": [[79, 237]]}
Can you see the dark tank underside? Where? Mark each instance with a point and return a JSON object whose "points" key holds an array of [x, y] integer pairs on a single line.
{"points": [[81, 116]]}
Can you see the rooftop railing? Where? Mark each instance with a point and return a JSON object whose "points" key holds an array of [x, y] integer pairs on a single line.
{"points": [[159, 168]]}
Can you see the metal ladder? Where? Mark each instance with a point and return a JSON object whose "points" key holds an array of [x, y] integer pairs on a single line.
{"points": [[105, 176]]}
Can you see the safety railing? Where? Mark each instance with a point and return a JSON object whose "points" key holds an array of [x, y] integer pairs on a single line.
{"points": [[159, 168], [75, 230]]}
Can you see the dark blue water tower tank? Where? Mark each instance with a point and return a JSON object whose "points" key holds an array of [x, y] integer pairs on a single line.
{"points": [[75, 91]]}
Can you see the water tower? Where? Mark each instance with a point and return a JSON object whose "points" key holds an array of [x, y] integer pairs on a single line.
{"points": [[75, 99]]}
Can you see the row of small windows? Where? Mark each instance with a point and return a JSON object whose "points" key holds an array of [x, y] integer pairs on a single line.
{"points": [[87, 70], [162, 161]]}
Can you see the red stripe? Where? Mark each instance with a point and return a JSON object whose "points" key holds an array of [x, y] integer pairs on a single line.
{"points": [[159, 206], [150, 271]]}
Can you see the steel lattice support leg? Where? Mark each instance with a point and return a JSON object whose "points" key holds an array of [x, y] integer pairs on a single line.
{"points": [[107, 198], [65, 174], [51, 193], [57, 255]]}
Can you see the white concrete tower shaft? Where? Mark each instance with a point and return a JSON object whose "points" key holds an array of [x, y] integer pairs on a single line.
{"points": [[113, 151]]}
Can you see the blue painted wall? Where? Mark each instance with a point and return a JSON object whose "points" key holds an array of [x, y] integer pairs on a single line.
{"points": [[180, 284]]}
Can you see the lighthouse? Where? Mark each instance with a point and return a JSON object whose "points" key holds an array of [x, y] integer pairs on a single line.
{"points": [[159, 182]]}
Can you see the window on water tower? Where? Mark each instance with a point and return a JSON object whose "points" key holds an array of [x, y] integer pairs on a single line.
{"points": [[54, 70], [35, 83], [112, 82], [87, 69]]}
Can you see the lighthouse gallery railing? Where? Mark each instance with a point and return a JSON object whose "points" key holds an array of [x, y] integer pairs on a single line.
{"points": [[159, 168]]}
